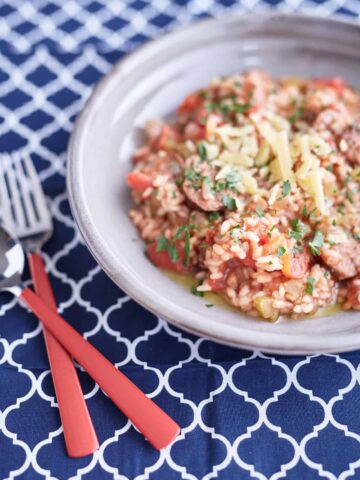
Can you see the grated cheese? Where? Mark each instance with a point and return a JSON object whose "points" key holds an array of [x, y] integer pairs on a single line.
{"points": [[282, 150], [236, 158]]}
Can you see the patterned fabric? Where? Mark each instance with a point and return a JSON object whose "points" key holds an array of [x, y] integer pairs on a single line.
{"points": [[243, 414]]}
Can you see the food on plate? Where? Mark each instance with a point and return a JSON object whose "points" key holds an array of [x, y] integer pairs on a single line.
{"points": [[254, 191]]}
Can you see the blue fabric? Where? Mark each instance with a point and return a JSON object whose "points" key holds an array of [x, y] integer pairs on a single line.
{"points": [[243, 414]]}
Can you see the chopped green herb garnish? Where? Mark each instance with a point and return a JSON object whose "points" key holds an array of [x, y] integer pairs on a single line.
{"points": [[229, 202], [296, 115], [190, 174], [341, 208], [326, 274], [213, 216], [240, 108], [233, 178], [356, 236], [220, 186], [203, 94], [194, 290], [349, 197], [179, 181], [224, 108], [187, 248], [162, 244], [259, 212], [270, 231], [310, 285], [334, 222], [286, 188], [210, 106], [173, 253], [202, 151], [316, 243], [306, 214], [298, 230], [330, 168], [297, 225], [209, 305], [280, 251]]}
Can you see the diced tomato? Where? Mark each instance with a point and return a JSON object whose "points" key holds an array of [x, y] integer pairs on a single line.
{"points": [[162, 259], [337, 83], [167, 133], [201, 115], [195, 131], [139, 181], [190, 103], [295, 265]]}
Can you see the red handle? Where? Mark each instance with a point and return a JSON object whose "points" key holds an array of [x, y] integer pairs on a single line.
{"points": [[79, 433], [153, 422]]}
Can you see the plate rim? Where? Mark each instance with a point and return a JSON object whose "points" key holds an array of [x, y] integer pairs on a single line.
{"points": [[274, 343]]}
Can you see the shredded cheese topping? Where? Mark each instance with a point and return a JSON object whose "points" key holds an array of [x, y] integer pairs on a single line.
{"points": [[267, 145]]}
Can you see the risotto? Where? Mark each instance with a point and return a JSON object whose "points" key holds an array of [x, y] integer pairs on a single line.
{"points": [[254, 191]]}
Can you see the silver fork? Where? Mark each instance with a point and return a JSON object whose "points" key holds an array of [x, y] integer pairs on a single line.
{"points": [[25, 214]]}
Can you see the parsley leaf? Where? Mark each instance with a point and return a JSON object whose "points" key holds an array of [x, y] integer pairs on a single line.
{"points": [[286, 188], [185, 228], [220, 186], [162, 244], [209, 305], [259, 212], [213, 216], [187, 248], [229, 202], [349, 197], [280, 251], [202, 151], [181, 229], [298, 229], [194, 291], [233, 178], [240, 108], [310, 285], [296, 115], [316, 243]]}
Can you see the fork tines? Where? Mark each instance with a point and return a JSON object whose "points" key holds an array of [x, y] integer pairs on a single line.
{"points": [[23, 205]]}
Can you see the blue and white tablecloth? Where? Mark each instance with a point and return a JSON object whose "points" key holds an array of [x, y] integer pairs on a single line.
{"points": [[243, 414]]}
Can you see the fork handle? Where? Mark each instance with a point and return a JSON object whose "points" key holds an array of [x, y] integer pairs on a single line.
{"points": [[79, 433], [153, 422]]}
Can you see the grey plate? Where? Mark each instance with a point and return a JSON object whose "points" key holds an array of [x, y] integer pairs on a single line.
{"points": [[150, 83]]}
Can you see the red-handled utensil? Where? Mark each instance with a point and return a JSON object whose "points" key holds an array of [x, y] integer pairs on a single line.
{"points": [[153, 422], [25, 213], [79, 432]]}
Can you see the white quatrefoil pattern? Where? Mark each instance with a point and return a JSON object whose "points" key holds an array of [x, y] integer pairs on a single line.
{"points": [[244, 415]]}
